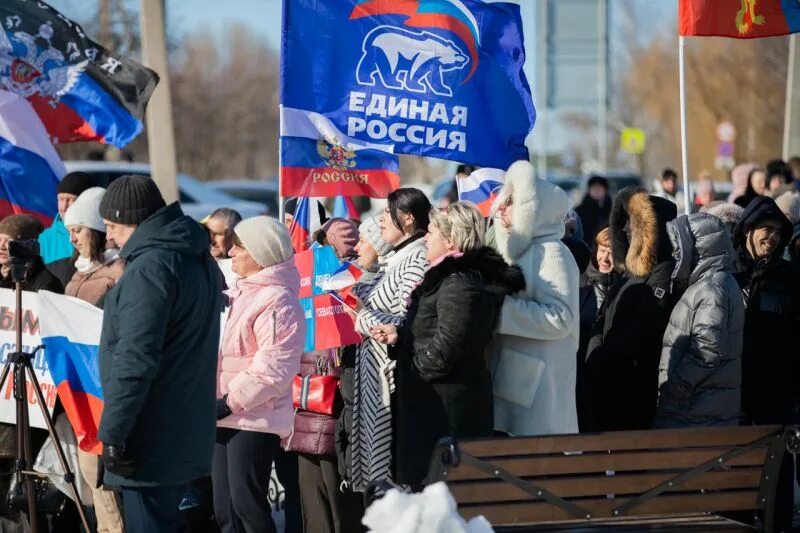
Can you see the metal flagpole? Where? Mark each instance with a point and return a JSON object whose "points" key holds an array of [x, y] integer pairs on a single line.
{"points": [[790, 96], [684, 146], [602, 75], [281, 206], [542, 74]]}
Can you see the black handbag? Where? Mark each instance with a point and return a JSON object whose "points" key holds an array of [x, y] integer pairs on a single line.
{"points": [[49, 500]]}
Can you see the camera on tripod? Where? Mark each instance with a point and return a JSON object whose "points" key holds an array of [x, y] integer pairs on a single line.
{"points": [[21, 253]]}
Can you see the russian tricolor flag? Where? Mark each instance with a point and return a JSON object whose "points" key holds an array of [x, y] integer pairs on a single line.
{"points": [[81, 91], [70, 330], [30, 168], [319, 160], [481, 187], [306, 222], [343, 207]]}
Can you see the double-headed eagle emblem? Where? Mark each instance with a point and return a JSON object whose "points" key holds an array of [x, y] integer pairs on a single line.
{"points": [[335, 155], [28, 69]]}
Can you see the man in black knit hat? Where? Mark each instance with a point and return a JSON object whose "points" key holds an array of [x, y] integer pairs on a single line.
{"points": [[54, 242], [158, 354]]}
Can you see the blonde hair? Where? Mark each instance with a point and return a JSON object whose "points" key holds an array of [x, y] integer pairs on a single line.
{"points": [[603, 238], [462, 224]]}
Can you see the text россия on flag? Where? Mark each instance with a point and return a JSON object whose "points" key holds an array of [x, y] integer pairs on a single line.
{"points": [[319, 160], [434, 78]]}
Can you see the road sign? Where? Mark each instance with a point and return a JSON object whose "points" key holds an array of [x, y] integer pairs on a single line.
{"points": [[632, 141], [726, 132]]}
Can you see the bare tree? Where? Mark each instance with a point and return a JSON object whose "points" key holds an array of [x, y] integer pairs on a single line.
{"points": [[742, 82]]}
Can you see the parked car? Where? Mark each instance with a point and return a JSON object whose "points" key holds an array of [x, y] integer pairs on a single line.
{"points": [[264, 192], [197, 199]]}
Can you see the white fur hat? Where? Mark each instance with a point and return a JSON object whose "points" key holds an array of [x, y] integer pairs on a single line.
{"points": [[789, 203], [266, 239], [85, 211]]}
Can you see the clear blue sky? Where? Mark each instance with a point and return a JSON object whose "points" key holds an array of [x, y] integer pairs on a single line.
{"points": [[263, 16]]}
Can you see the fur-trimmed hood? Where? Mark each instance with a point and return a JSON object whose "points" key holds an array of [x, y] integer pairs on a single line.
{"points": [[539, 211], [639, 239], [498, 276]]}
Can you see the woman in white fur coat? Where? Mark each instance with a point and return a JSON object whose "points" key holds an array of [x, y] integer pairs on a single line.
{"points": [[533, 361]]}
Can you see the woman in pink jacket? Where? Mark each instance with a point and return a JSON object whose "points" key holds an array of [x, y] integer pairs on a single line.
{"points": [[260, 354]]}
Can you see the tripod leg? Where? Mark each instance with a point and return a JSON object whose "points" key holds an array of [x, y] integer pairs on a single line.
{"points": [[4, 376], [69, 475], [24, 452]]}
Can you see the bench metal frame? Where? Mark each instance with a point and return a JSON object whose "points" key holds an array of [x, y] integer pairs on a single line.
{"points": [[448, 454]]}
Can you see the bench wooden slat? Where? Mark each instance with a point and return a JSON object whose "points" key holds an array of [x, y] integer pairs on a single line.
{"points": [[499, 491], [601, 508], [628, 440], [601, 462]]}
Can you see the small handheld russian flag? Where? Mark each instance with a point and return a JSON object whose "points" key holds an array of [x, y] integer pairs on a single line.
{"points": [[306, 222], [343, 207], [479, 188]]}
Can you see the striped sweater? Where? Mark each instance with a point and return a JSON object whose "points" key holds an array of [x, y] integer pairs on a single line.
{"points": [[385, 302]]}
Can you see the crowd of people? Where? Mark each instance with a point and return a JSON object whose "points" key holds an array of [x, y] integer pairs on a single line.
{"points": [[617, 315]]}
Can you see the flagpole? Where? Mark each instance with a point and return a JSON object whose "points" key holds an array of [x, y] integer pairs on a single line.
{"points": [[684, 145], [790, 96], [281, 206]]}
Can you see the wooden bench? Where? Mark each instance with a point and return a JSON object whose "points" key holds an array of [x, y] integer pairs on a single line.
{"points": [[618, 479]]}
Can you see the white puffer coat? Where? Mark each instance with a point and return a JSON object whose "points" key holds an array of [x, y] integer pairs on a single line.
{"points": [[533, 361]]}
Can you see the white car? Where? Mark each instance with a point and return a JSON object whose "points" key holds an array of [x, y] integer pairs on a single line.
{"points": [[197, 199]]}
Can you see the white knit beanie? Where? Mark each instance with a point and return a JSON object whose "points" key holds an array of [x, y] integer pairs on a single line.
{"points": [[85, 211], [266, 239], [371, 231]]}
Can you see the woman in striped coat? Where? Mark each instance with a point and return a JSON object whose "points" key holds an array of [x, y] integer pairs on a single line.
{"points": [[385, 301]]}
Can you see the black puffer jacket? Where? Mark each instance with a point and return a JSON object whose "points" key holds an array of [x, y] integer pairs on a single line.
{"points": [[443, 383], [625, 348], [700, 373], [772, 322]]}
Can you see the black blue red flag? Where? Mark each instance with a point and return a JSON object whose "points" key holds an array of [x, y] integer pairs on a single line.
{"points": [[80, 90]]}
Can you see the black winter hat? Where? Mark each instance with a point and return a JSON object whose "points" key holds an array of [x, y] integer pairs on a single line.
{"points": [[75, 183], [597, 180], [131, 200]]}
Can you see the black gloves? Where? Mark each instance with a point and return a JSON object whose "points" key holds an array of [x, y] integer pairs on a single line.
{"points": [[114, 461], [223, 411]]}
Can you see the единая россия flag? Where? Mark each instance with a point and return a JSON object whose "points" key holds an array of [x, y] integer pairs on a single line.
{"points": [[434, 78], [739, 19], [80, 90]]}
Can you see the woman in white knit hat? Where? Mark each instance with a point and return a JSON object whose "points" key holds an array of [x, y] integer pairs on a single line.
{"points": [[259, 356], [97, 271]]}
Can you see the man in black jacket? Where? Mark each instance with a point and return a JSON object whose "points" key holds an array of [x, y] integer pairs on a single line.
{"points": [[158, 354], [25, 228], [771, 289], [625, 347], [772, 320]]}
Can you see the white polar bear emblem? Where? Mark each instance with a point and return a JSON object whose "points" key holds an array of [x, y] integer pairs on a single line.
{"points": [[405, 60]]}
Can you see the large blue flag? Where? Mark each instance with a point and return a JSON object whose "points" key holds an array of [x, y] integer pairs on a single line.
{"points": [[438, 78]]}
